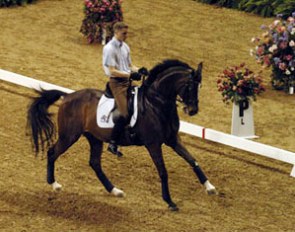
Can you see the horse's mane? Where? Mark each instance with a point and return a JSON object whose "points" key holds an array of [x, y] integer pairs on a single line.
{"points": [[164, 65]]}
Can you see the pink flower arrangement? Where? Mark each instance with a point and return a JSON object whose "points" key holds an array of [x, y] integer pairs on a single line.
{"points": [[238, 83], [276, 49], [99, 15]]}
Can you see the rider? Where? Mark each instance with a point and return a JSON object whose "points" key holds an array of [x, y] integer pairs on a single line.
{"points": [[117, 65]]}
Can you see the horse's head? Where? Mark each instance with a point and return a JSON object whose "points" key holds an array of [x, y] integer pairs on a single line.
{"points": [[190, 92]]}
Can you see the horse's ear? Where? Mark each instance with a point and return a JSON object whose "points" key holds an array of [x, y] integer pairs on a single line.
{"points": [[199, 72], [200, 66]]}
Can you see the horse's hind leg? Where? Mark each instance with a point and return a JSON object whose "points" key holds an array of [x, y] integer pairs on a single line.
{"points": [[62, 144], [95, 162]]}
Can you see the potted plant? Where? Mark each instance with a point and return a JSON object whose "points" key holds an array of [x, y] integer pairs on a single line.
{"points": [[100, 15], [239, 85]]}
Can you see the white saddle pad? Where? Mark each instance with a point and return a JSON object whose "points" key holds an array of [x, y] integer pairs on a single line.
{"points": [[104, 116]]}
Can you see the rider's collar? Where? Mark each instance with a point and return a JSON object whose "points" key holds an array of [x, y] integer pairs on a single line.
{"points": [[117, 42]]}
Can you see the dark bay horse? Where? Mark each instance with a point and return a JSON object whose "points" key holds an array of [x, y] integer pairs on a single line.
{"points": [[157, 123]]}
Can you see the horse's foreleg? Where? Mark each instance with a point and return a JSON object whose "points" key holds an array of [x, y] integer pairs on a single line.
{"points": [[183, 152], [95, 162], [157, 157]]}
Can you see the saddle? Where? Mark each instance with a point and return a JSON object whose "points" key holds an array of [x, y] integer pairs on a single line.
{"points": [[107, 112]]}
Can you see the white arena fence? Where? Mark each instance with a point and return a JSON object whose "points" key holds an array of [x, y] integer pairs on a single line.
{"points": [[185, 127]]}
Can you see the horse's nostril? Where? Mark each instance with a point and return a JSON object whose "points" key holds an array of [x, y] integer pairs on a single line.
{"points": [[193, 112]]}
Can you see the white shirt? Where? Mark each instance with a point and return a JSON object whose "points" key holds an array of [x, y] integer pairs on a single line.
{"points": [[116, 54]]}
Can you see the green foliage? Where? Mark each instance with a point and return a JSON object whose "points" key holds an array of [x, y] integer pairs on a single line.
{"points": [[8, 3], [223, 3], [286, 8], [265, 8]]}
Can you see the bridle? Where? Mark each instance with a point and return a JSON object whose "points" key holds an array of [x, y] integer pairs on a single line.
{"points": [[188, 91]]}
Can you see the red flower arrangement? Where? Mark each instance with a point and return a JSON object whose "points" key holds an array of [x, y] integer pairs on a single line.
{"points": [[238, 83]]}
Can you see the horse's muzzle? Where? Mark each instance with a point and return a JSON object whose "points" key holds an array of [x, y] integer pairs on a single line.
{"points": [[190, 110]]}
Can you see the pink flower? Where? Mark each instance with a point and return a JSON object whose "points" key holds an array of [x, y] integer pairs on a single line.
{"points": [[240, 82], [220, 88], [288, 57], [266, 60], [291, 19], [283, 44], [281, 29], [256, 90], [260, 50], [282, 66], [276, 22]]}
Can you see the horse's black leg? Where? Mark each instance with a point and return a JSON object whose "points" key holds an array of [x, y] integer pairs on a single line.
{"points": [[157, 157], [62, 144], [95, 162], [183, 152]]}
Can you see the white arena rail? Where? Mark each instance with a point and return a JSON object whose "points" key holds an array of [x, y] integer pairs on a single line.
{"points": [[185, 127], [29, 82]]}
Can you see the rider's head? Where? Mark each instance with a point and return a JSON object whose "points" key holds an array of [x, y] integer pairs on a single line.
{"points": [[121, 31]]}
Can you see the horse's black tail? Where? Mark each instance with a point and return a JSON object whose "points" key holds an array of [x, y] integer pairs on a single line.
{"points": [[39, 120]]}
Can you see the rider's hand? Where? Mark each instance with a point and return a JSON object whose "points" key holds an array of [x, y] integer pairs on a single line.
{"points": [[135, 76], [143, 71]]}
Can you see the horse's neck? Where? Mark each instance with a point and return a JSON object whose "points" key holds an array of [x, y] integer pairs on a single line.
{"points": [[161, 95], [168, 84]]}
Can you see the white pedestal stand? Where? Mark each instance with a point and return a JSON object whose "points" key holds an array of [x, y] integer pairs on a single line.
{"points": [[242, 120]]}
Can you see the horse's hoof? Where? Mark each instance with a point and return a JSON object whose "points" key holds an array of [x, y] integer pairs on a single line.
{"points": [[119, 154], [173, 208], [118, 192], [210, 189], [56, 186]]}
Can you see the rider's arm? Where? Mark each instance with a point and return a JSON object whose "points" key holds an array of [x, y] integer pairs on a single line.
{"points": [[116, 73]]}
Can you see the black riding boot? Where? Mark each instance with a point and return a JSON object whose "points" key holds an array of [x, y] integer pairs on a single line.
{"points": [[116, 132]]}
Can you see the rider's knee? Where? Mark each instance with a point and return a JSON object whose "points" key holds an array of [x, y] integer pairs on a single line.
{"points": [[123, 117]]}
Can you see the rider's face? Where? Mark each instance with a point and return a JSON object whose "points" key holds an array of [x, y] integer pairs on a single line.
{"points": [[122, 34]]}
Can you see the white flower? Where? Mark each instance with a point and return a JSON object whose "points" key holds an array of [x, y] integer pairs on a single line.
{"points": [[292, 68], [293, 31], [292, 43], [251, 52], [288, 72], [276, 22], [253, 39], [273, 48]]}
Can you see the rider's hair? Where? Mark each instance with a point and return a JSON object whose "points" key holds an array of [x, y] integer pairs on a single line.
{"points": [[119, 26]]}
